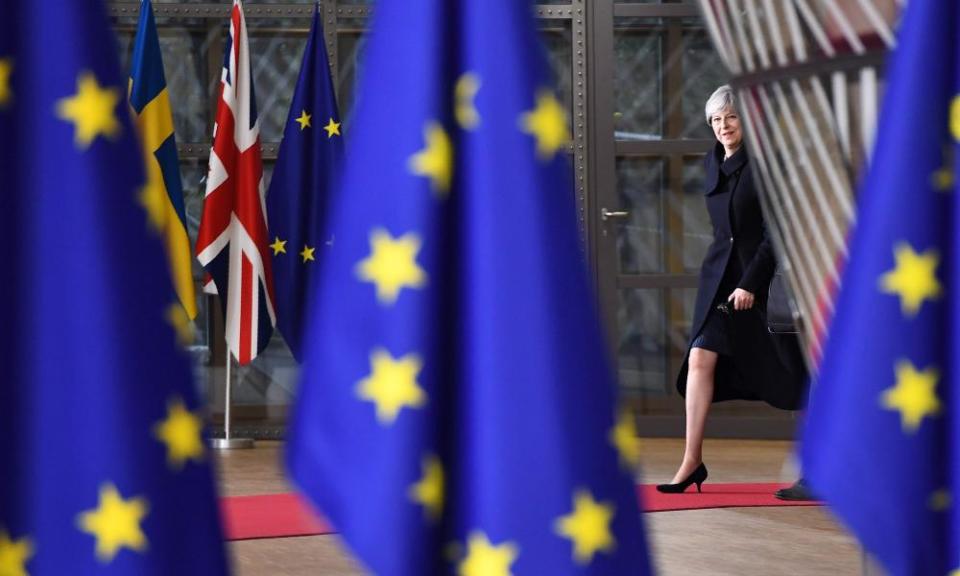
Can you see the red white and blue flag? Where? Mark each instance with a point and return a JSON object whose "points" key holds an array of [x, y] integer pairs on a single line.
{"points": [[232, 244]]}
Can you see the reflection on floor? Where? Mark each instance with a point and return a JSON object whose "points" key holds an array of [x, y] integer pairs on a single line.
{"points": [[733, 541]]}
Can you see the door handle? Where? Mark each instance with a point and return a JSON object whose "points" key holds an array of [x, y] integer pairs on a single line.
{"points": [[608, 215]]}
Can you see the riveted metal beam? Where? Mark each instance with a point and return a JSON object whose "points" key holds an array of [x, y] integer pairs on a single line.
{"points": [[579, 145], [201, 150], [121, 9]]}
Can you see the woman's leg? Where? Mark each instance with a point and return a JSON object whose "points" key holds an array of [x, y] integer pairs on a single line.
{"points": [[701, 367]]}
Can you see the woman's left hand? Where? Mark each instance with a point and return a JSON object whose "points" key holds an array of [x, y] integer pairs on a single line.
{"points": [[742, 300]]}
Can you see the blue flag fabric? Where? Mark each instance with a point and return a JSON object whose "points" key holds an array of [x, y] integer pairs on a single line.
{"points": [[304, 179], [103, 462], [457, 413], [881, 439]]}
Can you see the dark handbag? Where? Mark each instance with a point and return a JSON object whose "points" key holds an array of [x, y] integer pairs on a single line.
{"points": [[782, 317]]}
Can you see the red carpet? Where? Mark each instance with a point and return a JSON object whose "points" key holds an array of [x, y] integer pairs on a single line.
{"points": [[714, 496], [279, 515], [269, 516]]}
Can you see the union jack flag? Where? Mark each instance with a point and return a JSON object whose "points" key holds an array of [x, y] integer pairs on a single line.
{"points": [[232, 244]]}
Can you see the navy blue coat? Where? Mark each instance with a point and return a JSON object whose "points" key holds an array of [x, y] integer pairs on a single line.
{"points": [[762, 366]]}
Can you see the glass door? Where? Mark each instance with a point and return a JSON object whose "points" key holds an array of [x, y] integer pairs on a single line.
{"points": [[655, 68]]}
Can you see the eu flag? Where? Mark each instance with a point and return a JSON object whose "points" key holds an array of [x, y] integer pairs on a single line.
{"points": [[103, 467], [882, 440], [305, 176], [457, 413]]}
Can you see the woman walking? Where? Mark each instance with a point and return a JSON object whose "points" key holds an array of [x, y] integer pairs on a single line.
{"points": [[731, 355]]}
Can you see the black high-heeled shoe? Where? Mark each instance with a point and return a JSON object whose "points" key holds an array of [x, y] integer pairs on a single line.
{"points": [[697, 477]]}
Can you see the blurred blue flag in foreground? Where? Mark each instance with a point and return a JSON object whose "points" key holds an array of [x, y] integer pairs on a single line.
{"points": [[882, 440], [103, 468], [304, 179], [457, 413]]}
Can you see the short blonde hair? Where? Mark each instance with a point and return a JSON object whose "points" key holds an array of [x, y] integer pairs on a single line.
{"points": [[722, 97]]}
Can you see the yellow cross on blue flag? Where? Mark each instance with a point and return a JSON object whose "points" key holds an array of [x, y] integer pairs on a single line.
{"points": [[104, 469], [163, 194], [456, 413], [881, 438]]}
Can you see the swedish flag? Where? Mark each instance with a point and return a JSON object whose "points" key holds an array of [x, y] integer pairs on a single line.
{"points": [[882, 440], [304, 180], [163, 193], [456, 413], [103, 467]]}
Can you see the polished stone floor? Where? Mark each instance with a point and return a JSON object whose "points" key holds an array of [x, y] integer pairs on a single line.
{"points": [[722, 542]]}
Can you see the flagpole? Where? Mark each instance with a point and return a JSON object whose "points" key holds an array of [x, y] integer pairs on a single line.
{"points": [[228, 442]]}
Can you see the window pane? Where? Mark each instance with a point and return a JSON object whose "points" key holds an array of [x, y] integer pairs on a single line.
{"points": [[637, 82], [664, 70], [697, 231], [641, 355], [640, 187], [351, 46], [269, 381], [703, 72], [654, 333], [668, 220], [276, 49]]}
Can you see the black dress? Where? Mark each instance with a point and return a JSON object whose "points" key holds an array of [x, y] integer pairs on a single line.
{"points": [[753, 364]]}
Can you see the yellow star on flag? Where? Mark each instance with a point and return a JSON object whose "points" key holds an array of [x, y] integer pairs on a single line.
{"points": [[913, 279], [332, 128], [177, 317], [279, 246], [588, 526], [940, 500], [485, 559], [914, 395], [93, 110], [115, 523], [955, 118], [435, 161], [304, 120], [392, 265], [6, 69], [429, 490], [14, 555], [307, 253], [181, 431], [942, 179], [548, 124], [623, 436], [392, 384], [154, 199], [465, 93]]}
